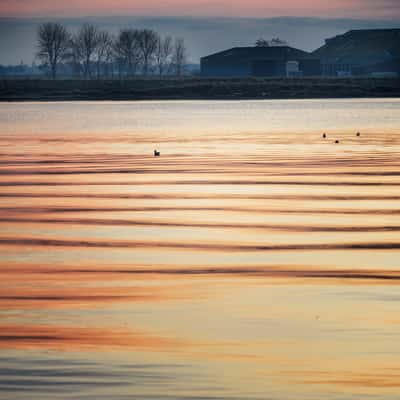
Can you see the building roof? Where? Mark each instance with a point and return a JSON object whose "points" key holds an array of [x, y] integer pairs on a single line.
{"points": [[260, 52], [361, 47]]}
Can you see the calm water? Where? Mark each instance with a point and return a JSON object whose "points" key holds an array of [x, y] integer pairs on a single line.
{"points": [[253, 260]]}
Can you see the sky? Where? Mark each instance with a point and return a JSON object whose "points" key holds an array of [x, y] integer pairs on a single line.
{"points": [[207, 26], [231, 8], [203, 35]]}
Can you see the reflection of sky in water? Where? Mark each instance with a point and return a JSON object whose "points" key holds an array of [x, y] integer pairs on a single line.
{"points": [[225, 269], [178, 119]]}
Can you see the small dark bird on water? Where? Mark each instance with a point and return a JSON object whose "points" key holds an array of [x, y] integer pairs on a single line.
{"points": [[358, 134], [156, 153], [324, 135], [336, 141]]}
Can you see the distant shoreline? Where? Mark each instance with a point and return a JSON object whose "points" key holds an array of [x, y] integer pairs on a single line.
{"points": [[18, 90]]}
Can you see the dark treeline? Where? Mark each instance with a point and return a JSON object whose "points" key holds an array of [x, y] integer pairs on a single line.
{"points": [[94, 53]]}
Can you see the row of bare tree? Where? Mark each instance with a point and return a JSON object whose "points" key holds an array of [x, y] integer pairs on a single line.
{"points": [[92, 52]]}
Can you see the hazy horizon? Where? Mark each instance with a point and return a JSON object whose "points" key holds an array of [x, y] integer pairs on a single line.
{"points": [[203, 35]]}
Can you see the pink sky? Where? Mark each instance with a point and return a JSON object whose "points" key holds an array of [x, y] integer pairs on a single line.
{"points": [[245, 8]]}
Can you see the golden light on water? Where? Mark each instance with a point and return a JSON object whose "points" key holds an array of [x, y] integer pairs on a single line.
{"points": [[253, 257]]}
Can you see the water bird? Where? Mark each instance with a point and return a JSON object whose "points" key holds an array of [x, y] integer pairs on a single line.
{"points": [[156, 153], [324, 135], [336, 141], [358, 134]]}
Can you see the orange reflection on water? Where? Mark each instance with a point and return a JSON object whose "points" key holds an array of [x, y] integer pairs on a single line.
{"points": [[253, 249]]}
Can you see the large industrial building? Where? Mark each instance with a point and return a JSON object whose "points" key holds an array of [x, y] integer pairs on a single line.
{"points": [[260, 61], [369, 52], [361, 52]]}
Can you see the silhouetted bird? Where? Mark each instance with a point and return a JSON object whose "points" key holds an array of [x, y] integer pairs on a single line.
{"points": [[156, 153], [336, 141], [358, 134], [324, 135]]}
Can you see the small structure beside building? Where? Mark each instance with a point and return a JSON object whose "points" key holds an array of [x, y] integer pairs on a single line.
{"points": [[293, 68], [268, 61], [368, 52]]}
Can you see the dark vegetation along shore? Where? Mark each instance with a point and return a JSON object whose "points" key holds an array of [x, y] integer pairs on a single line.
{"points": [[197, 88]]}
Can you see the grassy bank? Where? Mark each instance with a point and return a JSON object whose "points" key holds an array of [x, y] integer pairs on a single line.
{"points": [[197, 88]]}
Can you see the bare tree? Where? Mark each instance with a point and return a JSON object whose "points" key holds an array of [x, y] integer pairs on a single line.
{"points": [[87, 40], [109, 57], [90, 51], [179, 56], [148, 40], [262, 43], [53, 40], [163, 54], [126, 49], [102, 50], [278, 42], [273, 42], [76, 55]]}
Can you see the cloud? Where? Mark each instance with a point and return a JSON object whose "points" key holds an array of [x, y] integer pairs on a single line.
{"points": [[251, 8]]}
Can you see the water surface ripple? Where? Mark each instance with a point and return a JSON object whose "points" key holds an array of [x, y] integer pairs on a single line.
{"points": [[253, 260]]}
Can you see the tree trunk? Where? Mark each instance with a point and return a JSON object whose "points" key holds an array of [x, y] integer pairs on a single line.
{"points": [[87, 68], [53, 71]]}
